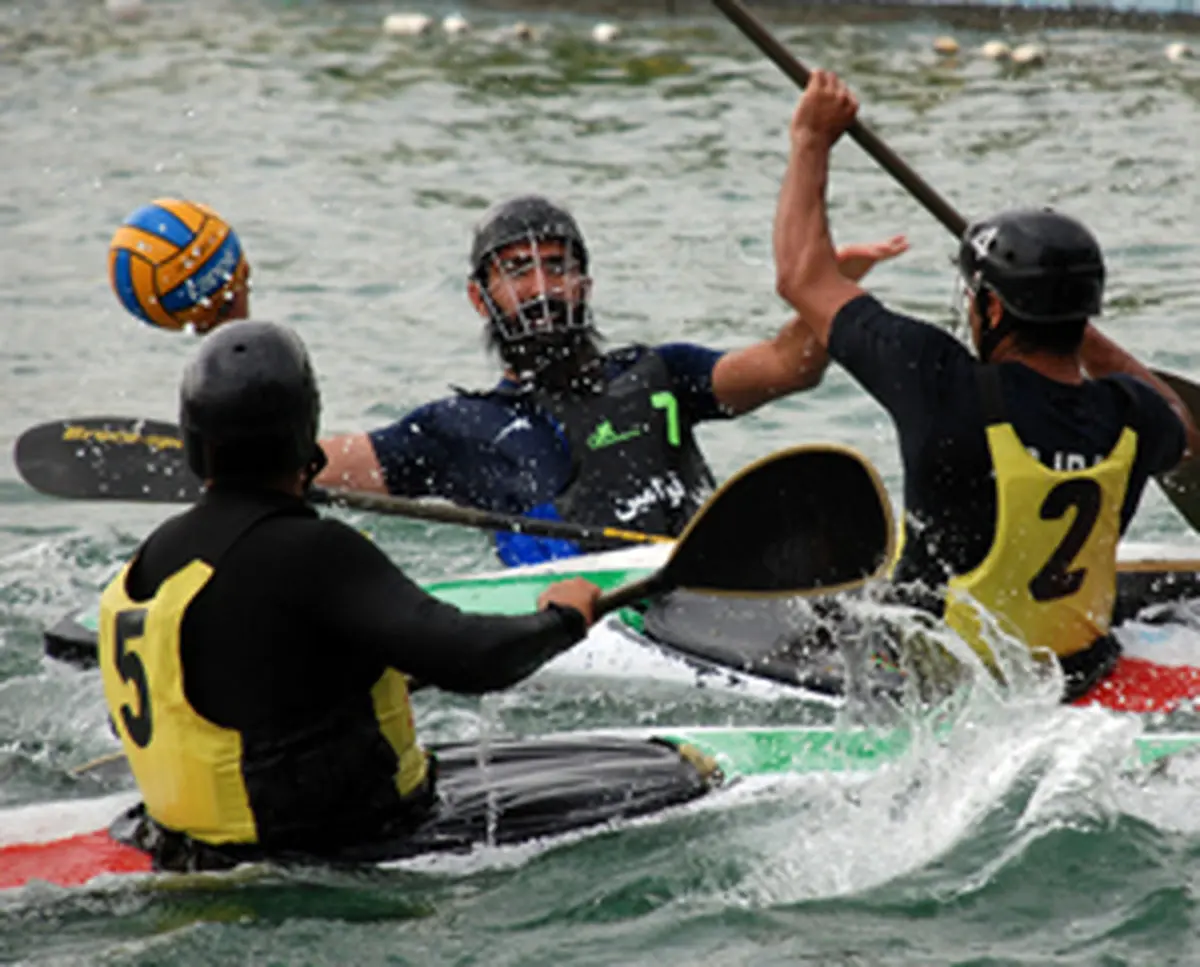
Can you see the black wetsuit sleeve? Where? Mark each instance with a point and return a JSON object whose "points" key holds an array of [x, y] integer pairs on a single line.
{"points": [[367, 603], [907, 365]]}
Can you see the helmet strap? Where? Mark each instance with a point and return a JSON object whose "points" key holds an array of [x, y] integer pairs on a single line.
{"points": [[990, 336]]}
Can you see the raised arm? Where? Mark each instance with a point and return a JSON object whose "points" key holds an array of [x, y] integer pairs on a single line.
{"points": [[793, 360], [806, 265]]}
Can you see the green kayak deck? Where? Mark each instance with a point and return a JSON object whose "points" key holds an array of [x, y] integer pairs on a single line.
{"points": [[749, 751]]}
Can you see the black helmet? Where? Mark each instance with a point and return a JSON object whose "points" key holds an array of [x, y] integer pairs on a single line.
{"points": [[248, 404], [1044, 267], [520, 219], [549, 330]]}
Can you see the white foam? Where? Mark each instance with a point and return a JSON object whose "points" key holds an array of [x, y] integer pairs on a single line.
{"points": [[1168, 644], [842, 835]]}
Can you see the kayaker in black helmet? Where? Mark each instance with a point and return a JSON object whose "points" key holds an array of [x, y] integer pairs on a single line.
{"points": [[1023, 463], [256, 657], [571, 431]]}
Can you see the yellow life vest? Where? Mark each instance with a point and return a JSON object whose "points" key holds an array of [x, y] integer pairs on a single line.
{"points": [[1050, 577], [188, 769]]}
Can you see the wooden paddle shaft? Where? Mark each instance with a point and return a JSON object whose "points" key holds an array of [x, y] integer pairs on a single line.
{"points": [[891, 162], [447, 513]]}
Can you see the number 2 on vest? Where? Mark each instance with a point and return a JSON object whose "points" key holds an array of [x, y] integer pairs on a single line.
{"points": [[1054, 580], [666, 401], [131, 626]]}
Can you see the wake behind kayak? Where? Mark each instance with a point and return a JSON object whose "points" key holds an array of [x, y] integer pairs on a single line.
{"points": [[526, 790], [496, 794]]}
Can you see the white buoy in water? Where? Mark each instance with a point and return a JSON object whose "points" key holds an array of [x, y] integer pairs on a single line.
{"points": [[1029, 55], [605, 33], [1178, 51], [406, 24], [127, 10], [946, 46], [455, 24], [996, 50]]}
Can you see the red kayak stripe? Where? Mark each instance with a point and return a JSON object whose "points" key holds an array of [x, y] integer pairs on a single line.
{"points": [[69, 862], [1137, 685]]}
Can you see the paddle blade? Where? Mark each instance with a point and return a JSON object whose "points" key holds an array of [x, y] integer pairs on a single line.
{"points": [[107, 458], [1182, 485], [805, 520]]}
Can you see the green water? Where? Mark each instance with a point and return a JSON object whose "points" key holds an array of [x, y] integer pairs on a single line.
{"points": [[353, 165]]}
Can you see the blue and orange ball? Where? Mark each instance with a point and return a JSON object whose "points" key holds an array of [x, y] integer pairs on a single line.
{"points": [[177, 263]]}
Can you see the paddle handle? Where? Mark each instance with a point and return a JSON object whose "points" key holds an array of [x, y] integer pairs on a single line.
{"points": [[630, 593], [920, 189], [473, 517]]}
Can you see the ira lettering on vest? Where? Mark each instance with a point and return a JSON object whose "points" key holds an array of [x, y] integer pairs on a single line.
{"points": [[1064, 461]]}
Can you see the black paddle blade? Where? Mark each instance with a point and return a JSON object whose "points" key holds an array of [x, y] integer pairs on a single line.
{"points": [[806, 520], [1182, 485], [107, 458]]}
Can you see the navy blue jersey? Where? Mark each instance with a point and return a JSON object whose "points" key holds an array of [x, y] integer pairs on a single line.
{"points": [[926, 380], [505, 453]]}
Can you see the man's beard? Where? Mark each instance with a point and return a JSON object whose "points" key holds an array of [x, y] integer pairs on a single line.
{"points": [[560, 355]]}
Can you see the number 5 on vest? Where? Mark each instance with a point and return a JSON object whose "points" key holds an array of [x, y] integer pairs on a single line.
{"points": [[130, 627]]}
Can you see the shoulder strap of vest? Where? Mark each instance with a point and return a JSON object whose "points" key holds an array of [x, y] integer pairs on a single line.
{"points": [[991, 393], [630, 354]]}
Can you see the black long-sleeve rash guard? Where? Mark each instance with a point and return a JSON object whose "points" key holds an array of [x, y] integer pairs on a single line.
{"points": [[303, 611]]}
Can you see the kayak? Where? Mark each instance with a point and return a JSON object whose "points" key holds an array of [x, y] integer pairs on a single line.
{"points": [[514, 791], [763, 648]]}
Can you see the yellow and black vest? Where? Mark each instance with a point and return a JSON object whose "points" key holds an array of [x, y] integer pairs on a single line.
{"points": [[209, 782], [1050, 576]]}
